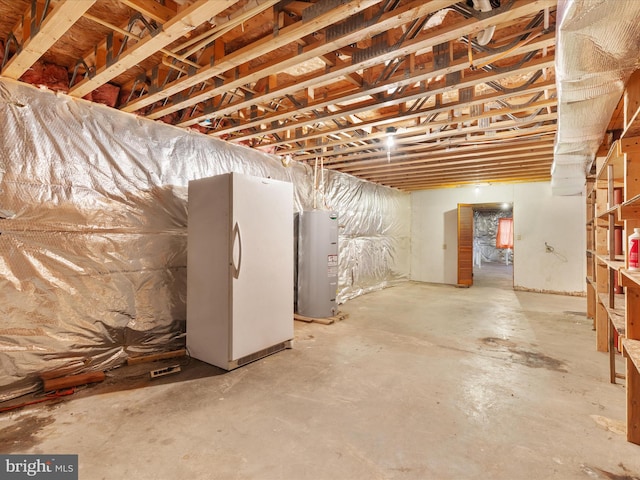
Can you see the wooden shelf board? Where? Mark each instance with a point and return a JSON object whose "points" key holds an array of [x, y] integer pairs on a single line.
{"points": [[632, 350], [616, 264], [613, 210], [629, 209], [618, 322], [618, 311], [630, 278], [631, 144], [633, 129], [614, 158]]}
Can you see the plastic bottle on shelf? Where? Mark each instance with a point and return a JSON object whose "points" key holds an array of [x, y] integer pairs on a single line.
{"points": [[634, 245]]}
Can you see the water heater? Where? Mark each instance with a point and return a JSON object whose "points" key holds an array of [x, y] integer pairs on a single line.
{"points": [[317, 263]]}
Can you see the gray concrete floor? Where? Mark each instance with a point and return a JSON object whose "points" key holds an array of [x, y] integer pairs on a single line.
{"points": [[420, 382]]}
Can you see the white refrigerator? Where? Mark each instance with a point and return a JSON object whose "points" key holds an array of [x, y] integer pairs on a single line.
{"points": [[239, 269]]}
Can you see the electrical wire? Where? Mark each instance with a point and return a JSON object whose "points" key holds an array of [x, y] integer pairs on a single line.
{"points": [[47, 398]]}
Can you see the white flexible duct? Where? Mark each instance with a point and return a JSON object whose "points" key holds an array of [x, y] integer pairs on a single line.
{"points": [[484, 36], [596, 51]]}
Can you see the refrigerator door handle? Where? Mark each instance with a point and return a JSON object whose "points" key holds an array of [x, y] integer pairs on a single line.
{"points": [[235, 270]]}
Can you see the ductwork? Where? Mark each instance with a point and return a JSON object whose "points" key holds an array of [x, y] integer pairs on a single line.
{"points": [[484, 36], [597, 43]]}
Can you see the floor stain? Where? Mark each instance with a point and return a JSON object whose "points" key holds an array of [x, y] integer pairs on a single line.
{"points": [[537, 360], [497, 342], [600, 474], [616, 426], [22, 434], [525, 357], [578, 314]]}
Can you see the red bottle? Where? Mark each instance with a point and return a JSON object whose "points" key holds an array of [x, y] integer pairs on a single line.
{"points": [[634, 241]]}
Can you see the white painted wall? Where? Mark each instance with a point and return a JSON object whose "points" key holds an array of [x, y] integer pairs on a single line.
{"points": [[538, 217]]}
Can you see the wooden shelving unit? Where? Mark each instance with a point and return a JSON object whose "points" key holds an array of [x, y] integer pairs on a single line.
{"points": [[591, 250], [607, 216], [631, 343], [605, 254]]}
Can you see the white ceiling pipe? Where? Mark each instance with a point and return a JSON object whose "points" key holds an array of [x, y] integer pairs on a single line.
{"points": [[485, 35]]}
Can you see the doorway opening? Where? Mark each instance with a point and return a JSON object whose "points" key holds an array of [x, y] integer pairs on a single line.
{"points": [[485, 245]]}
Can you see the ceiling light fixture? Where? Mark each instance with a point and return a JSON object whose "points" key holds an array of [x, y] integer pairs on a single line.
{"points": [[390, 141]]}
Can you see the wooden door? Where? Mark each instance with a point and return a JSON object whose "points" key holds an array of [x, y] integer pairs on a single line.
{"points": [[465, 245]]}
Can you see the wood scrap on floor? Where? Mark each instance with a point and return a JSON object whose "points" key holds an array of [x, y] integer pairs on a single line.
{"points": [[324, 321], [53, 384], [156, 356]]}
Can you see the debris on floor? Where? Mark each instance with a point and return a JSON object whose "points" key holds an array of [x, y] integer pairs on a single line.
{"points": [[324, 321]]}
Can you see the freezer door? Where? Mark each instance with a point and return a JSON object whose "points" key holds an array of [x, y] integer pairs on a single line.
{"points": [[261, 266]]}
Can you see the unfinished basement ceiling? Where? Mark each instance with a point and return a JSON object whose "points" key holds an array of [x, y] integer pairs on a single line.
{"points": [[467, 94]]}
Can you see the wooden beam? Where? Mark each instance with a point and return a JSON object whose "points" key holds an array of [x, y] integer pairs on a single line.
{"points": [[420, 153], [456, 182], [395, 117], [190, 18], [296, 7], [430, 185], [320, 50], [354, 78], [58, 20], [252, 51], [536, 132], [544, 172], [476, 177], [427, 136], [400, 79], [151, 9], [428, 40], [462, 170], [398, 166]]}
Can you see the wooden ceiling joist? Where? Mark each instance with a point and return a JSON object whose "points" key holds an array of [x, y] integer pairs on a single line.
{"points": [[400, 167], [436, 124], [394, 117], [489, 177], [458, 148], [152, 9], [478, 132], [468, 168], [319, 49], [372, 92], [261, 47], [173, 29], [60, 17], [344, 68], [414, 154]]}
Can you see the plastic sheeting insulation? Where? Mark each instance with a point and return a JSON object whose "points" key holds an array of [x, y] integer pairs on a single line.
{"points": [[485, 230], [93, 238], [597, 44]]}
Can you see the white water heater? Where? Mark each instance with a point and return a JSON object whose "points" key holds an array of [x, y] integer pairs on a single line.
{"points": [[317, 263]]}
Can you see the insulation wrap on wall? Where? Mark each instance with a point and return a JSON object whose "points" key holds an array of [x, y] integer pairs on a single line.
{"points": [[597, 50], [93, 239]]}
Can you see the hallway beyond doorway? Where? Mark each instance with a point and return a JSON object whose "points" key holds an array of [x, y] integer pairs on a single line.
{"points": [[494, 275]]}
